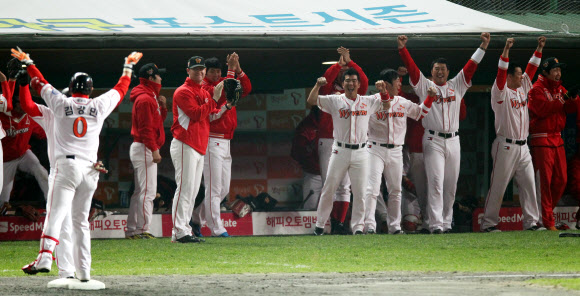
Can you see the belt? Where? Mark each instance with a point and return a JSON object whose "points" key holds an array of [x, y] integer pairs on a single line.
{"points": [[389, 146], [444, 135], [517, 142], [350, 146], [70, 156]]}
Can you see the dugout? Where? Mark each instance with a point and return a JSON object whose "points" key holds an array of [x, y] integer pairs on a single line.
{"points": [[280, 63]]}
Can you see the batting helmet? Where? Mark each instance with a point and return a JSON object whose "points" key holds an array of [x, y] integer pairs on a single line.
{"points": [[81, 83]]}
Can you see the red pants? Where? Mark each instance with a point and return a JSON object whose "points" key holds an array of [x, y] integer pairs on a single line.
{"points": [[550, 170]]}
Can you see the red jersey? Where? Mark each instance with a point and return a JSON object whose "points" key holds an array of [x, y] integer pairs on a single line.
{"points": [[18, 129], [325, 128], [147, 117], [548, 112], [191, 108], [224, 126]]}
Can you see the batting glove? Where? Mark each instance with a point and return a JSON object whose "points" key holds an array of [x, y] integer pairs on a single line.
{"points": [[22, 56]]}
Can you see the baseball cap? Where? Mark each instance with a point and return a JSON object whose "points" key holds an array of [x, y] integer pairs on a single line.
{"points": [[551, 63], [196, 61], [150, 69]]}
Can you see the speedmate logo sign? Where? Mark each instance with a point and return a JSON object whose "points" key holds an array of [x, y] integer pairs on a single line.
{"points": [[20, 228], [509, 219]]}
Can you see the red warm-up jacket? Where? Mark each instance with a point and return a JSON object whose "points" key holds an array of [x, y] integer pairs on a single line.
{"points": [[148, 115], [548, 112], [191, 108]]}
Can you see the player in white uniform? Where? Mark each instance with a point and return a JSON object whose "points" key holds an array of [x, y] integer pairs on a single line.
{"points": [[441, 142], [386, 136], [350, 118], [511, 155], [77, 124]]}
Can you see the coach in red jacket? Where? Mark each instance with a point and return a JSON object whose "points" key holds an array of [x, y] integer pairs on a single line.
{"points": [[548, 104], [149, 112], [217, 168], [191, 108]]}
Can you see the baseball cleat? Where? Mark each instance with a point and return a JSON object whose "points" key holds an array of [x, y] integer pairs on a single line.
{"points": [[447, 231], [188, 239], [43, 263], [135, 236], [552, 228], [437, 231], [318, 231], [225, 234], [399, 232], [371, 231], [358, 232], [424, 231], [491, 229], [147, 235], [536, 228], [562, 226], [196, 228]]}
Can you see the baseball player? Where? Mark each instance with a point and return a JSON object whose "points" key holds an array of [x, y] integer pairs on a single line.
{"points": [[304, 151], [350, 118], [149, 112], [334, 76], [414, 141], [511, 155], [17, 155], [5, 106], [77, 124], [217, 168], [549, 102], [192, 106], [386, 135], [574, 170], [441, 146]]}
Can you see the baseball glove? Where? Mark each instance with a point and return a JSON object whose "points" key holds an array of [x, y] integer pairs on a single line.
{"points": [[29, 212], [13, 67], [233, 89], [97, 208]]}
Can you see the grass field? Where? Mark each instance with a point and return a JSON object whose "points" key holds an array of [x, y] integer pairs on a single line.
{"points": [[505, 252]]}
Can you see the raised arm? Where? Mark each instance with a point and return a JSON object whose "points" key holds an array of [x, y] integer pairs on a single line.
{"points": [[27, 104], [313, 96], [242, 77], [471, 66], [414, 73], [535, 60], [123, 84], [418, 112], [502, 67], [331, 74]]}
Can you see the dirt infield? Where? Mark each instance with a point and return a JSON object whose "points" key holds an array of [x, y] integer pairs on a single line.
{"points": [[372, 283]]}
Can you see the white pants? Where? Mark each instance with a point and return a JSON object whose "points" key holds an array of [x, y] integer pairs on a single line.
{"points": [[188, 165], [217, 172], [418, 176], [141, 206], [324, 152], [311, 189], [511, 160], [355, 163], [64, 250], [27, 163], [442, 161], [388, 163], [72, 184]]}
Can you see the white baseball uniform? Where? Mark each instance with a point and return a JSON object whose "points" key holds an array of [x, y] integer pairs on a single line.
{"points": [[73, 180], [386, 136], [441, 145], [351, 121], [27, 163], [511, 155]]}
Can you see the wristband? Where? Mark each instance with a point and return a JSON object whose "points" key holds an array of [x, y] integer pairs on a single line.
{"points": [[478, 55], [128, 66]]}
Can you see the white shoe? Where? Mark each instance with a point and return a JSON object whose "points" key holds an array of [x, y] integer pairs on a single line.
{"points": [[43, 263]]}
